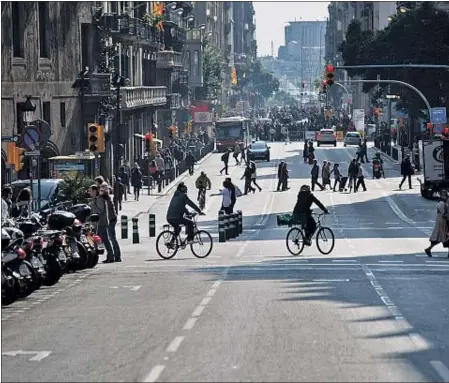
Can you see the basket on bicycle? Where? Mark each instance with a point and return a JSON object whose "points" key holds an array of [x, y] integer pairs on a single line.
{"points": [[284, 219]]}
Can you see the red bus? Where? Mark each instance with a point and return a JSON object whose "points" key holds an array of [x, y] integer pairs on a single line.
{"points": [[231, 131]]}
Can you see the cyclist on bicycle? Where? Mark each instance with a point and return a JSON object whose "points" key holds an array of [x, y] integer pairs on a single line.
{"points": [[202, 183], [177, 209], [302, 212]]}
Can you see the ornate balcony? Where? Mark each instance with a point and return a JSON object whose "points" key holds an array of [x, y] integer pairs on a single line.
{"points": [[174, 101], [168, 60], [133, 97]]}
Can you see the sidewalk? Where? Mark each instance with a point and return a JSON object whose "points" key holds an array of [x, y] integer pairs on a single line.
{"points": [[133, 209]]}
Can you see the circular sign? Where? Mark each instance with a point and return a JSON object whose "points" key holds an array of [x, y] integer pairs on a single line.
{"points": [[30, 138]]}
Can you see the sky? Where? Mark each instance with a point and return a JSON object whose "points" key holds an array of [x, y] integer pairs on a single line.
{"points": [[272, 16]]}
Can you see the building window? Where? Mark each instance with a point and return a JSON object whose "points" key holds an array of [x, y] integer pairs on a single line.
{"points": [[188, 63], [18, 29], [62, 114], [19, 117], [46, 112], [44, 50], [84, 45], [114, 7], [196, 63]]}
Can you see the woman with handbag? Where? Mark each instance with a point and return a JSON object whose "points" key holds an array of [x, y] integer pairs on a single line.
{"points": [[440, 231]]}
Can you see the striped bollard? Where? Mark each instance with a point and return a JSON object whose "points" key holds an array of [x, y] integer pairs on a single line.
{"points": [[227, 226], [221, 227], [152, 223], [135, 230], [124, 224], [239, 212], [231, 226], [236, 224]]}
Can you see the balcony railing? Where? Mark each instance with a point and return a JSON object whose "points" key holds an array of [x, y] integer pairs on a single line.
{"points": [[132, 97], [174, 100], [168, 59], [131, 28]]}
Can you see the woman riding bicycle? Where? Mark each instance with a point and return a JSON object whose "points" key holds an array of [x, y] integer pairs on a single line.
{"points": [[302, 212]]}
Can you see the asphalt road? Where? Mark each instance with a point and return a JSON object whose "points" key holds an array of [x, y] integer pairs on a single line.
{"points": [[375, 309]]}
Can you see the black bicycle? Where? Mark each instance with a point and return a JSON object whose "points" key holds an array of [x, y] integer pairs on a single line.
{"points": [[295, 238], [168, 244]]}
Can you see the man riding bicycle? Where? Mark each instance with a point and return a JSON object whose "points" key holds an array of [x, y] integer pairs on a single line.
{"points": [[302, 212], [177, 209], [202, 183]]}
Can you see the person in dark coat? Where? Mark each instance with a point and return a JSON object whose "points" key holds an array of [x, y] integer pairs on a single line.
{"points": [[305, 152], [247, 175], [178, 208], [136, 180], [124, 176], [190, 162], [225, 159], [406, 171], [231, 187], [315, 173], [282, 176]]}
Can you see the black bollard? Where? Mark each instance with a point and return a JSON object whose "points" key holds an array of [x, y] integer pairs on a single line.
{"points": [[124, 224], [240, 221], [221, 227], [152, 225], [135, 230]]}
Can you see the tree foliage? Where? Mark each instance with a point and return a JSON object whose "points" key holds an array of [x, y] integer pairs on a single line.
{"points": [[262, 81], [420, 36], [74, 187], [213, 71]]}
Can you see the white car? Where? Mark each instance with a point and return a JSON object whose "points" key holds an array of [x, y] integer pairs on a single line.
{"points": [[326, 137], [353, 138]]}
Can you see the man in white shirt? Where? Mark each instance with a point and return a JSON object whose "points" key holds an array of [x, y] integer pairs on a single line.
{"points": [[6, 200]]}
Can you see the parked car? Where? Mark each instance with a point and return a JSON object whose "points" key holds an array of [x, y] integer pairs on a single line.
{"points": [[259, 150], [49, 191], [326, 137], [353, 138]]}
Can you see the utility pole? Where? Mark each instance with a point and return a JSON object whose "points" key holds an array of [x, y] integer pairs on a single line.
{"points": [[376, 115]]}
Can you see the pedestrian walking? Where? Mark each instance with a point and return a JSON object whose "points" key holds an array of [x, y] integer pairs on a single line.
{"points": [[225, 159], [440, 230], [337, 176], [236, 155], [360, 179], [136, 180], [326, 174], [254, 174], [305, 152], [353, 171], [190, 163], [124, 177], [282, 176], [406, 171], [242, 153], [226, 202], [247, 175], [315, 172]]}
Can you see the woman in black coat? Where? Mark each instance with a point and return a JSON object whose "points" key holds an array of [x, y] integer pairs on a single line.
{"points": [[136, 181]]}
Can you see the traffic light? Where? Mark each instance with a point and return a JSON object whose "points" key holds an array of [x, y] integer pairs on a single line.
{"points": [[148, 140], [11, 152], [95, 135], [330, 74], [324, 86], [234, 77], [19, 156]]}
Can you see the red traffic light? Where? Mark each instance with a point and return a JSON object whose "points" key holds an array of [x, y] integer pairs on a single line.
{"points": [[148, 136], [330, 68]]}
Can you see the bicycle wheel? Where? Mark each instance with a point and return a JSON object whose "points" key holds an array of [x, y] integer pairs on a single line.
{"points": [[325, 240], [296, 236], [167, 244], [202, 244]]}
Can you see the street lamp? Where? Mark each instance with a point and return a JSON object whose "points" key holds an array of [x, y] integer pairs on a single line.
{"points": [[402, 9], [28, 110]]}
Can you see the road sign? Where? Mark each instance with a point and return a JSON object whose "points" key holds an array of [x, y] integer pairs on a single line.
{"points": [[33, 153], [30, 138], [10, 138], [84, 155], [438, 116]]}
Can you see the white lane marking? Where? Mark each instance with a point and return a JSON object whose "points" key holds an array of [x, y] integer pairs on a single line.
{"points": [[174, 345], [198, 311], [442, 370], [216, 284], [391, 261], [345, 260], [331, 280], [437, 261], [38, 355], [190, 323], [154, 373], [419, 341], [205, 301], [211, 292]]}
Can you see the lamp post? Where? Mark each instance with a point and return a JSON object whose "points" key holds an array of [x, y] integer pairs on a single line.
{"points": [[28, 110], [117, 82]]}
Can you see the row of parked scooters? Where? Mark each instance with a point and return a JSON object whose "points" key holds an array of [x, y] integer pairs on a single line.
{"points": [[39, 249]]}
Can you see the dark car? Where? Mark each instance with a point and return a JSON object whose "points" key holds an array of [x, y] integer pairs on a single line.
{"points": [[49, 191], [259, 150]]}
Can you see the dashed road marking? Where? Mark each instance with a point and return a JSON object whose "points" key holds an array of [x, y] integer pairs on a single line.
{"points": [[174, 345], [198, 311], [154, 373], [441, 369], [190, 323]]}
